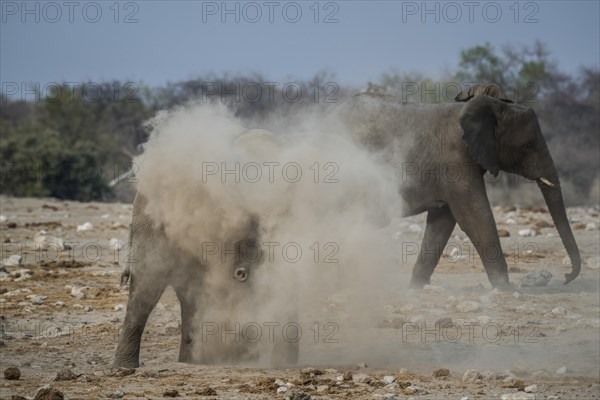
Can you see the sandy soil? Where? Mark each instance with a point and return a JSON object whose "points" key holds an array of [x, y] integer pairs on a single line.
{"points": [[67, 311]]}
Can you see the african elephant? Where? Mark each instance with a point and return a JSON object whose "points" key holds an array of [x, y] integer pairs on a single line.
{"points": [[155, 262], [441, 153]]}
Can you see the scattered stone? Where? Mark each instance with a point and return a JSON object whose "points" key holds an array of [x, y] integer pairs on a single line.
{"points": [[298, 394], [559, 311], [12, 261], [518, 295], [121, 372], [117, 394], [438, 373], [531, 389], [282, 389], [3, 218], [414, 390], [44, 242], [12, 373], [116, 244], [468, 306], [347, 376], [206, 391], [59, 304], [89, 308], [119, 307], [390, 396], [511, 221], [48, 393], [361, 378], [527, 232], [65, 374], [86, 226], [503, 233], [388, 379], [543, 224], [593, 262], [591, 226], [471, 376], [78, 292], [21, 274], [322, 388], [537, 278], [561, 371], [171, 393], [518, 396], [37, 300]]}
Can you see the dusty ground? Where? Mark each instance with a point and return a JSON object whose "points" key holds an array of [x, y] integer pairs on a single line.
{"points": [[67, 311]]}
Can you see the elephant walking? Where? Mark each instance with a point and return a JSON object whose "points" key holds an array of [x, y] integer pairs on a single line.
{"points": [[441, 153]]}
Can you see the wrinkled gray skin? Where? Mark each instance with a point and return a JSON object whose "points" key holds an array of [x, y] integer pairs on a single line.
{"points": [[441, 152], [153, 264]]}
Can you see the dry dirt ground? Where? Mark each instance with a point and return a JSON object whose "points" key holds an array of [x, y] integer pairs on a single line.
{"points": [[63, 309]]}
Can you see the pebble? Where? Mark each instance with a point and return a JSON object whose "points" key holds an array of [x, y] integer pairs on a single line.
{"points": [[511, 221], [390, 396], [12, 373], [77, 292], [117, 394], [171, 393], [45, 241], [527, 232], [116, 244], [438, 373], [298, 394], [361, 378], [561, 370], [12, 261], [537, 278], [591, 226], [282, 389], [471, 376], [531, 389], [86, 226], [388, 379], [59, 304], [518, 396], [88, 309], [3, 218], [559, 310], [412, 390], [65, 374], [503, 233], [119, 307], [518, 295], [36, 299], [468, 306], [322, 388], [47, 392], [593, 262]]}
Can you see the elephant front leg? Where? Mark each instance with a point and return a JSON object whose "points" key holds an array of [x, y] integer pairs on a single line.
{"points": [[143, 296], [474, 215], [440, 224]]}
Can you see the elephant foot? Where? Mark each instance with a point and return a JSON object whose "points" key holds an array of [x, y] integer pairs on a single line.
{"points": [[126, 363], [503, 285], [418, 283]]}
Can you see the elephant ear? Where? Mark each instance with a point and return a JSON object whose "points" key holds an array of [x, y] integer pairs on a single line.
{"points": [[478, 121]]}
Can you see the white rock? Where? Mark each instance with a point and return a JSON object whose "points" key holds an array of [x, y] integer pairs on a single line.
{"points": [[279, 382], [531, 389], [527, 232], [518, 396], [59, 304], [518, 295], [511, 221], [566, 261], [559, 311], [12, 261], [591, 226], [593, 262], [415, 228], [119, 307], [388, 379], [35, 299], [116, 244], [468, 306], [282, 389], [44, 241], [78, 292], [561, 370], [471, 376], [322, 388], [88, 309], [3, 218], [539, 278], [86, 226]]}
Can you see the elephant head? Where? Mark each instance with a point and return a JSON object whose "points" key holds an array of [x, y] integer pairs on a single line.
{"points": [[505, 136]]}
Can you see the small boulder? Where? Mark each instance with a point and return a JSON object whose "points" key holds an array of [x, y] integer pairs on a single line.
{"points": [[537, 278], [471, 376], [441, 372], [12, 373], [65, 374], [503, 233]]}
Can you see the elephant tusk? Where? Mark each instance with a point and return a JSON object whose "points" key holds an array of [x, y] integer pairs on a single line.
{"points": [[547, 182]]}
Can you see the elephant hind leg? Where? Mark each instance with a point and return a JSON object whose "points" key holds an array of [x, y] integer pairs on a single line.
{"points": [[440, 224], [143, 296]]}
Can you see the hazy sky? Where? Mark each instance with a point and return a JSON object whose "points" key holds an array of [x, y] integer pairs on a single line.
{"points": [[175, 40]]}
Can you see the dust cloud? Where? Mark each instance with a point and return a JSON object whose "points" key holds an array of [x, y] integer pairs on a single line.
{"points": [[319, 203]]}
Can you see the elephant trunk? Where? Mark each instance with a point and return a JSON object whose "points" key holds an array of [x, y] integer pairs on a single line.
{"points": [[550, 187]]}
